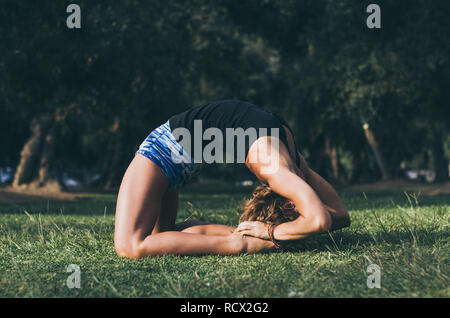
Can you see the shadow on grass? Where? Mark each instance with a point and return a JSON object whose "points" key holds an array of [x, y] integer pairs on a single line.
{"points": [[80, 206], [99, 205], [348, 241], [356, 199]]}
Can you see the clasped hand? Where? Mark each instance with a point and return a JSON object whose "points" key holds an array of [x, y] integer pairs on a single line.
{"points": [[254, 228]]}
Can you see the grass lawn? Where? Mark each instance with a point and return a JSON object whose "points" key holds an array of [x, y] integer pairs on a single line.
{"points": [[406, 235]]}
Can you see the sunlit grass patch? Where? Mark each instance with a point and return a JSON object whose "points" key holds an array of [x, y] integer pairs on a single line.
{"points": [[405, 235]]}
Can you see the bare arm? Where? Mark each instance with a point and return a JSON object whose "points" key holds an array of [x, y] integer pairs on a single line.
{"points": [[328, 195], [314, 217]]}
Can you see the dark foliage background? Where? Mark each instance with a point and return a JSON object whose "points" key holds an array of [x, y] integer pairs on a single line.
{"points": [[79, 102]]}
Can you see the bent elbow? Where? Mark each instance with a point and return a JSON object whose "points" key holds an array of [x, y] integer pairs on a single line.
{"points": [[323, 223]]}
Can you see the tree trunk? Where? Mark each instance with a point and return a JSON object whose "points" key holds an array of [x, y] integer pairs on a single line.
{"points": [[331, 152], [114, 167], [37, 155], [115, 153], [319, 160], [441, 164], [47, 155], [106, 163], [359, 164], [25, 171], [370, 137]]}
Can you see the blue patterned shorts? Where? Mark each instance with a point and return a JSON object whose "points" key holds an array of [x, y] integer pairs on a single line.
{"points": [[162, 148]]}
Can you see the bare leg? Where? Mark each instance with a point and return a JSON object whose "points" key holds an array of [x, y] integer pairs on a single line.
{"points": [[168, 214], [201, 227], [138, 204], [181, 243], [138, 209]]}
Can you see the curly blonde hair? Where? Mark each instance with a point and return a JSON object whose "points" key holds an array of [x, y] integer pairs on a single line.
{"points": [[267, 206]]}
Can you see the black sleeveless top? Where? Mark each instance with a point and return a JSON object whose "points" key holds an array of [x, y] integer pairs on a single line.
{"points": [[233, 114]]}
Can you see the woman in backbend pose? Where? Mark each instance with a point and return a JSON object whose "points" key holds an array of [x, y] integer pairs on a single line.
{"points": [[292, 203]]}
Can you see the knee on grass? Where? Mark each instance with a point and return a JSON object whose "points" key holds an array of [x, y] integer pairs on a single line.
{"points": [[130, 250]]}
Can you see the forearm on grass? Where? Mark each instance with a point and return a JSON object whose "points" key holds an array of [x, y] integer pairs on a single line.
{"points": [[300, 228]]}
